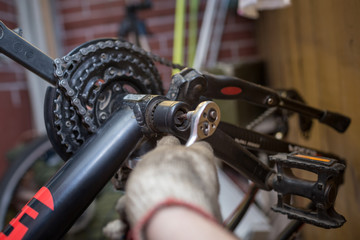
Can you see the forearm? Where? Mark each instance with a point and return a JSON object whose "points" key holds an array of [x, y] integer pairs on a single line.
{"points": [[182, 223]]}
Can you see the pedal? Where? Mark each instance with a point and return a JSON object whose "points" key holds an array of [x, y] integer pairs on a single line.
{"points": [[322, 192]]}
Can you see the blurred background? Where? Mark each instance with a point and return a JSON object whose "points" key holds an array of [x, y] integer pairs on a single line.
{"points": [[312, 46]]}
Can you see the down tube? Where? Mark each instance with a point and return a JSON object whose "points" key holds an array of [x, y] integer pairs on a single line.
{"points": [[57, 205]]}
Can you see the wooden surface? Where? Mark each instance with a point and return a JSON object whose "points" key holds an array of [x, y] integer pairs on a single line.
{"points": [[314, 47]]}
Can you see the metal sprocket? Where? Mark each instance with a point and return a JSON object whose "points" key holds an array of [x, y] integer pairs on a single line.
{"points": [[91, 82]]}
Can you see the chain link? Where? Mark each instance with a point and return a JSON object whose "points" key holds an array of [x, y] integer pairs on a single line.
{"points": [[75, 103]]}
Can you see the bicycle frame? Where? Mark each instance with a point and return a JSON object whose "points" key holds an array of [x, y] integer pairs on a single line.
{"points": [[77, 183]]}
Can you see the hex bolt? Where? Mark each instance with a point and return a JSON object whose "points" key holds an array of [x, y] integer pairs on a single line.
{"points": [[180, 118], [103, 116], [279, 135], [205, 128], [270, 101], [212, 115], [68, 124], [117, 87]]}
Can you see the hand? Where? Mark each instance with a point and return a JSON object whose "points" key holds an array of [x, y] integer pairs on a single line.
{"points": [[172, 175]]}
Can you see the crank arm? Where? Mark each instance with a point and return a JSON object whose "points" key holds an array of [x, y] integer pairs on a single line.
{"points": [[240, 159], [24, 53], [264, 143], [223, 87]]}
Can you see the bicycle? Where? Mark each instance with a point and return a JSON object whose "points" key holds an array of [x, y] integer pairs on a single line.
{"points": [[132, 28], [38, 151], [107, 99]]}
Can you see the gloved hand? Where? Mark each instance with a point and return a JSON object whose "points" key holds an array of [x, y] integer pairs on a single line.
{"points": [[170, 175]]}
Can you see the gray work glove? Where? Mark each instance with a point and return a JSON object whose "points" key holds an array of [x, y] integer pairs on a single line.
{"points": [[171, 174]]}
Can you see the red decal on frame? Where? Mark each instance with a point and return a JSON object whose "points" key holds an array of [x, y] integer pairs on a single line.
{"points": [[18, 229], [44, 196], [231, 90]]}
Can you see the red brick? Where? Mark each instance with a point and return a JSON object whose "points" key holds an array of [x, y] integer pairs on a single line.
{"points": [[10, 66], [105, 5], [68, 11], [75, 41], [233, 18], [167, 27], [154, 44], [66, 4], [225, 54], [165, 73], [238, 34], [14, 122], [10, 24], [7, 6], [106, 34], [151, 13], [231, 36], [91, 22], [7, 76], [247, 51]]}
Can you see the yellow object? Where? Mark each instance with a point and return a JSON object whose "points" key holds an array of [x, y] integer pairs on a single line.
{"points": [[178, 47], [193, 21]]}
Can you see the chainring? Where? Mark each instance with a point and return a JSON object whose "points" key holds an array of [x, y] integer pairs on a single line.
{"points": [[92, 79]]}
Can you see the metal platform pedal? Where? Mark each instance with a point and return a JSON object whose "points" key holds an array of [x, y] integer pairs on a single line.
{"points": [[322, 192]]}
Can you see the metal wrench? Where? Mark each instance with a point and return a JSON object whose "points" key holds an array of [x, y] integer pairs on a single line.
{"points": [[204, 121]]}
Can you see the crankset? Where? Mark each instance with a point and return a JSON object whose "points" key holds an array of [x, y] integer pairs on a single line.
{"points": [[92, 80], [321, 192]]}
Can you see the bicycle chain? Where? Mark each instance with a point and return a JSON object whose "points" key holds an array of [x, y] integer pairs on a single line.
{"points": [[91, 81]]}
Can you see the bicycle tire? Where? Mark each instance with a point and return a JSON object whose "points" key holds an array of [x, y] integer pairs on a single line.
{"points": [[22, 163]]}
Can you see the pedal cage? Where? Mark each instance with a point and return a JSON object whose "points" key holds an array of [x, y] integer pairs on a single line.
{"points": [[322, 192]]}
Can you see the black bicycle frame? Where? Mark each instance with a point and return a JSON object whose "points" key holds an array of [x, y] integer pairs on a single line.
{"points": [[53, 210], [57, 205]]}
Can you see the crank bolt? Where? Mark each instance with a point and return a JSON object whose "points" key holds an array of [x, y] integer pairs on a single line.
{"points": [[117, 87], [180, 118], [68, 124], [270, 101], [205, 128], [103, 116], [212, 115]]}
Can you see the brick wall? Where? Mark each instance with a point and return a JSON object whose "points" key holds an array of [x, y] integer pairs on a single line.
{"points": [[85, 20], [15, 115]]}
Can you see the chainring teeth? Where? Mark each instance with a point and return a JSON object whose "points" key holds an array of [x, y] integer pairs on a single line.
{"points": [[106, 66]]}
